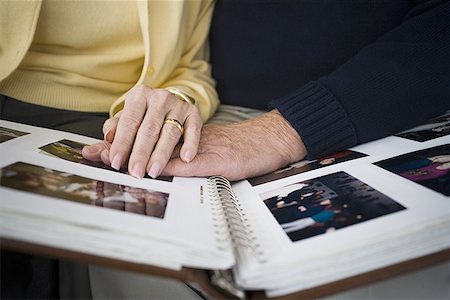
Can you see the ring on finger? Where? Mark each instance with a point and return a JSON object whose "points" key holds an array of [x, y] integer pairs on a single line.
{"points": [[176, 123]]}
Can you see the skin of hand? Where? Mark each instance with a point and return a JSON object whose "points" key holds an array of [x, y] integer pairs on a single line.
{"points": [[242, 150], [138, 134]]}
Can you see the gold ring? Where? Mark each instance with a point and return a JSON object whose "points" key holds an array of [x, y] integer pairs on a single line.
{"points": [[174, 122]]}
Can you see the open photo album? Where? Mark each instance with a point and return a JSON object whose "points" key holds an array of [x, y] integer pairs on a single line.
{"points": [[306, 225]]}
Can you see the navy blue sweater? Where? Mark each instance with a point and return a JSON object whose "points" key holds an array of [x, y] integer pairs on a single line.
{"points": [[342, 72]]}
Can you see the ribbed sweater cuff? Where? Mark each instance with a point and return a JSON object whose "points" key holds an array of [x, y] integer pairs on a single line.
{"points": [[319, 119]]}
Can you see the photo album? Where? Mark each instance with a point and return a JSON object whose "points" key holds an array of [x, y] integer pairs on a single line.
{"points": [[308, 224]]}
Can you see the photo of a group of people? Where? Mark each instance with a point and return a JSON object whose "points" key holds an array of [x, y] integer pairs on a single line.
{"points": [[44, 181], [71, 151], [434, 128], [306, 165], [7, 134], [429, 167], [325, 204]]}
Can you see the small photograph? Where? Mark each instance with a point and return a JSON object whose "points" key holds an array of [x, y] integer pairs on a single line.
{"points": [[306, 165], [56, 184], [435, 128], [7, 134], [429, 167], [325, 204], [71, 151], [67, 150]]}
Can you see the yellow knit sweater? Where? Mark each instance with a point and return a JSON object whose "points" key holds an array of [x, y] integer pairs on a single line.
{"points": [[85, 56]]}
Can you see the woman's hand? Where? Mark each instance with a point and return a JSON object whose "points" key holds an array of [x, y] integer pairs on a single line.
{"points": [[146, 132]]}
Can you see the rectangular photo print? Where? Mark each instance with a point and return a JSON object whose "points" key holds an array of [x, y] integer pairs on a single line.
{"points": [[7, 134], [306, 165], [428, 167], [61, 185], [71, 151], [325, 204], [433, 129]]}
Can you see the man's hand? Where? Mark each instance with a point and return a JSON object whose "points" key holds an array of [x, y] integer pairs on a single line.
{"points": [[242, 150]]}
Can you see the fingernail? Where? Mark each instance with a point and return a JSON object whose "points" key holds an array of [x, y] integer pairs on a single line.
{"points": [[91, 148], [117, 162], [188, 156], [138, 171], [154, 170]]}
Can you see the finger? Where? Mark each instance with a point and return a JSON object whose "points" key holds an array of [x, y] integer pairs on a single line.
{"points": [[147, 137], [170, 136], [105, 157], [93, 152], [204, 164], [144, 144], [128, 126], [162, 104], [176, 151], [110, 126], [191, 137]]}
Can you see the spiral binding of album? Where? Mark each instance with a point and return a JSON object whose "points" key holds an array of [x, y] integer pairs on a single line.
{"points": [[231, 220]]}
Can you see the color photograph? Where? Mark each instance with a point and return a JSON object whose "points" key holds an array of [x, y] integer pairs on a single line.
{"points": [[71, 151], [7, 134], [435, 128], [429, 167], [61, 185], [325, 204], [306, 165]]}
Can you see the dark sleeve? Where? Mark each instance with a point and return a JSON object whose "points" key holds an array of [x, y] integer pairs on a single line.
{"points": [[399, 81]]}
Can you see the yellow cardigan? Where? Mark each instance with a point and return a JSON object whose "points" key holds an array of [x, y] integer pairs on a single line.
{"points": [[175, 44]]}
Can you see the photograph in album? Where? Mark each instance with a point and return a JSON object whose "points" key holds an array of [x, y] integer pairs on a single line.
{"points": [[7, 134], [61, 185], [71, 151], [326, 204], [428, 167], [306, 165], [311, 224], [435, 128]]}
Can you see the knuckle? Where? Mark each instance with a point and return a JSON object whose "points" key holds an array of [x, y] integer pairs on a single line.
{"points": [[165, 94], [141, 89], [131, 122], [162, 97], [193, 125], [195, 128], [172, 132], [106, 125], [194, 112], [151, 131], [131, 102]]}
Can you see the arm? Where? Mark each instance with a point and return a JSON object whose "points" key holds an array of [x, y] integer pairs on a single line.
{"points": [[398, 82], [192, 76], [139, 133]]}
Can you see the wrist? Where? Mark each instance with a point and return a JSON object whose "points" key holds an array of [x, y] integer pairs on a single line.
{"points": [[288, 142]]}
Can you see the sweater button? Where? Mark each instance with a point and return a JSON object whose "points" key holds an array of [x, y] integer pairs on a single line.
{"points": [[150, 70]]}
